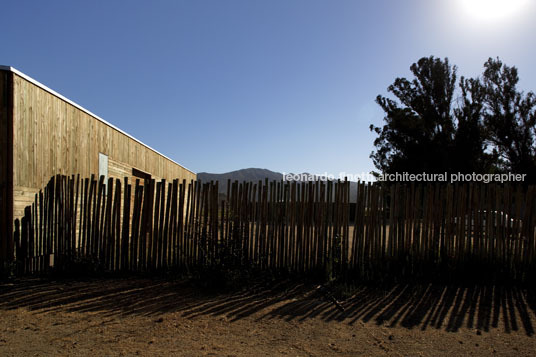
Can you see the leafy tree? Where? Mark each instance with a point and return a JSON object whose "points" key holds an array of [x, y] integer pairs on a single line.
{"points": [[471, 144], [510, 117], [423, 132]]}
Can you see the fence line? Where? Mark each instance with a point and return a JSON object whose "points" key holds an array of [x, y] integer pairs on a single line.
{"points": [[393, 231]]}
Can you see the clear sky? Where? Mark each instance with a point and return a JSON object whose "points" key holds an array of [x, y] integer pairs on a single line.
{"points": [[286, 85]]}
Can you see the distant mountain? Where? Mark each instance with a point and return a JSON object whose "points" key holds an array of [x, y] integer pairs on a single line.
{"points": [[252, 175]]}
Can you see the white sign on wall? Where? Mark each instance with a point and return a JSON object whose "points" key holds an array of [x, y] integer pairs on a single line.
{"points": [[103, 167]]}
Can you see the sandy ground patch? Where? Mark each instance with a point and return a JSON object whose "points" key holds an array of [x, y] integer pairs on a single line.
{"points": [[146, 317]]}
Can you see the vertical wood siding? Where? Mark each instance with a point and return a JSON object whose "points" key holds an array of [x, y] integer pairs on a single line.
{"points": [[6, 136], [54, 137]]}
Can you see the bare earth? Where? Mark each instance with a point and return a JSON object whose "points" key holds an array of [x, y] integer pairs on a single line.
{"points": [[163, 317]]}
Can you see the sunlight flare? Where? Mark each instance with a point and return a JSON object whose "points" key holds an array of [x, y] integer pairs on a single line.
{"points": [[492, 10]]}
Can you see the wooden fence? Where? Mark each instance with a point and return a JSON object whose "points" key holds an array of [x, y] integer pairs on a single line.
{"points": [[395, 231]]}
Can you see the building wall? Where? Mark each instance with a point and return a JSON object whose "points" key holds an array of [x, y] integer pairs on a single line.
{"points": [[6, 219], [52, 136]]}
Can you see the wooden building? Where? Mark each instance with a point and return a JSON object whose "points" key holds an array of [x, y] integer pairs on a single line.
{"points": [[43, 134]]}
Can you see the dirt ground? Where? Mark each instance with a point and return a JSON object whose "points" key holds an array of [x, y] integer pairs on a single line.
{"points": [[146, 317]]}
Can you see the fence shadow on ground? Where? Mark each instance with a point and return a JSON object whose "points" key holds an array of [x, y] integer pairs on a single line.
{"points": [[409, 306]]}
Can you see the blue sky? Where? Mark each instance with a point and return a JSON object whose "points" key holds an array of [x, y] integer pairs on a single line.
{"points": [[221, 85]]}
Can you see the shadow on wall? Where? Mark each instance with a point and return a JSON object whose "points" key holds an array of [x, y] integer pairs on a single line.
{"points": [[410, 306]]}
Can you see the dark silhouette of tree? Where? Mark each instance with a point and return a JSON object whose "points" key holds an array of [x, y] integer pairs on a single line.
{"points": [[423, 132], [472, 149], [510, 117]]}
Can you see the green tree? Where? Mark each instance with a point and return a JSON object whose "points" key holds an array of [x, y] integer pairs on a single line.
{"points": [[510, 117], [423, 131]]}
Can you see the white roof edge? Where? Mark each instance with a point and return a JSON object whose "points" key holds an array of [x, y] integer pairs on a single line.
{"points": [[42, 86]]}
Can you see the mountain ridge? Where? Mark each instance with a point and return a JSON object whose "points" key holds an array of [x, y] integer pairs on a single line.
{"points": [[252, 174]]}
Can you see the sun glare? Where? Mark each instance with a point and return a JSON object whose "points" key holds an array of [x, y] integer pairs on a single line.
{"points": [[492, 10]]}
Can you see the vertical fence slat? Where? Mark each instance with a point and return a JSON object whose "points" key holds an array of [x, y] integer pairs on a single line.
{"points": [[405, 230]]}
